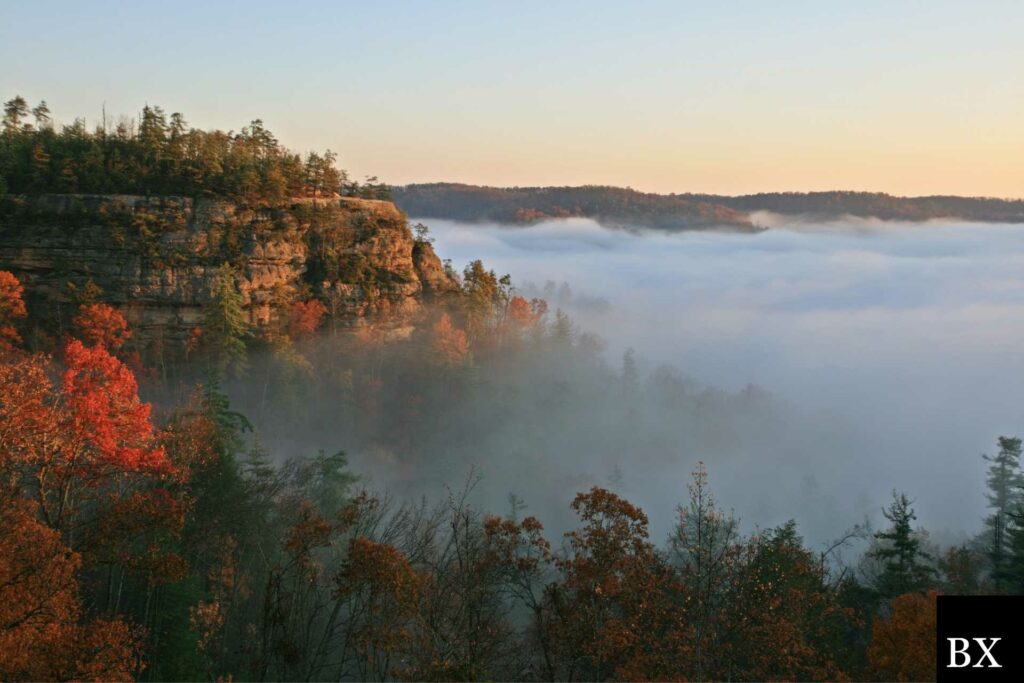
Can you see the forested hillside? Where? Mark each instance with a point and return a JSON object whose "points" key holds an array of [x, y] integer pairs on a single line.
{"points": [[157, 154], [170, 543], [625, 207], [830, 205], [611, 205], [197, 517]]}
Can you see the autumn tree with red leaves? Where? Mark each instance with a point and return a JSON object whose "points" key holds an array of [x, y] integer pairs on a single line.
{"points": [[12, 309], [101, 325], [83, 470], [304, 318], [781, 618], [382, 592], [63, 443], [449, 343], [520, 317], [43, 635], [903, 644], [523, 313], [107, 418], [610, 613]]}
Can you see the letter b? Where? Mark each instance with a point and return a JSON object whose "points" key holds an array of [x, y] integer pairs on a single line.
{"points": [[956, 652]]}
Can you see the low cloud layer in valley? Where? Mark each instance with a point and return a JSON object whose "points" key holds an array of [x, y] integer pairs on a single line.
{"points": [[896, 349]]}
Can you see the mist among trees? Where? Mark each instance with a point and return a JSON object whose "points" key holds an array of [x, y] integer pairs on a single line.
{"points": [[187, 548], [309, 500]]}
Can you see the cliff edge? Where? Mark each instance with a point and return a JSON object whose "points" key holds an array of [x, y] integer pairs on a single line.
{"points": [[156, 259]]}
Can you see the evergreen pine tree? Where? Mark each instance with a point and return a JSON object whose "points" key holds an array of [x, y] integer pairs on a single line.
{"points": [[226, 327], [904, 563], [1005, 483], [1011, 576]]}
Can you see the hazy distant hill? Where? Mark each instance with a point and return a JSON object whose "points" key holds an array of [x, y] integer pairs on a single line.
{"points": [[875, 204], [611, 205], [627, 207]]}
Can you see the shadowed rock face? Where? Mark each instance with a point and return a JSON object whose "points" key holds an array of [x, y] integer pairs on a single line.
{"points": [[156, 259]]}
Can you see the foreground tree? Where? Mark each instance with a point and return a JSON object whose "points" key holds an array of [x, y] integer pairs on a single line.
{"points": [[1005, 495], [784, 621], [43, 632], [101, 325], [904, 564], [707, 553], [610, 613], [903, 644], [85, 494], [381, 592], [12, 309]]}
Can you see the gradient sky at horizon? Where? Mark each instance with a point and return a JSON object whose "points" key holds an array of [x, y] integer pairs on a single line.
{"points": [[902, 97]]}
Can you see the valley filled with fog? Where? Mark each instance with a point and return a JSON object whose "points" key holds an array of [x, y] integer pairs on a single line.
{"points": [[892, 353]]}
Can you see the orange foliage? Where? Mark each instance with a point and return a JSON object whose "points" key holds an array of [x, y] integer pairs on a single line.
{"points": [[190, 438], [385, 591], [782, 618], [41, 634], [903, 646], [67, 443], [125, 518], [612, 605], [102, 398], [304, 317], [29, 423], [195, 338], [309, 532], [101, 325], [523, 313], [382, 571], [520, 316], [449, 343], [65, 451], [206, 619], [519, 547], [12, 308]]}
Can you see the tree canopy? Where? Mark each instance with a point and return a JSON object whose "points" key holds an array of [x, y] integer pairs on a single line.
{"points": [[157, 154]]}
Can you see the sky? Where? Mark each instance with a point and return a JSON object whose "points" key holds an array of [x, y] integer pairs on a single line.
{"points": [[727, 97]]}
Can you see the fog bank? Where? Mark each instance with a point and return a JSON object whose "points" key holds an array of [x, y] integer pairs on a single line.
{"points": [[900, 345]]}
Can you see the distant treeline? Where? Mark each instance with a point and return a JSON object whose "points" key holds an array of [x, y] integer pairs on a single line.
{"points": [[614, 205], [874, 204], [624, 206], [158, 154]]}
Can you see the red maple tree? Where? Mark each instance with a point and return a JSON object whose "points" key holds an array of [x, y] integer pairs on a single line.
{"points": [[101, 325]]}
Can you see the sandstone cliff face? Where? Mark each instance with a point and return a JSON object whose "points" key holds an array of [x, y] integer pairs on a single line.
{"points": [[156, 258]]}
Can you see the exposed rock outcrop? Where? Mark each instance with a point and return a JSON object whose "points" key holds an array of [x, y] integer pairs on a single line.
{"points": [[157, 257]]}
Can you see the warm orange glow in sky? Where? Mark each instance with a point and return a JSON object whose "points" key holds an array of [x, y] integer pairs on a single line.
{"points": [[908, 98]]}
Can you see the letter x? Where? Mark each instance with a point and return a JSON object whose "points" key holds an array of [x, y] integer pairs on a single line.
{"points": [[986, 653]]}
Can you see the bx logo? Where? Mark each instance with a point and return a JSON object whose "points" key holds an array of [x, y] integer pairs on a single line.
{"points": [[961, 649], [979, 638]]}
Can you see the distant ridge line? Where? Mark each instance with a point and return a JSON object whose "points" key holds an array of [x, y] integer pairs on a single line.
{"points": [[686, 211]]}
